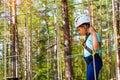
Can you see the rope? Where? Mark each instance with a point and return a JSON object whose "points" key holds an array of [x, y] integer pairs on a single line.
{"points": [[94, 65]]}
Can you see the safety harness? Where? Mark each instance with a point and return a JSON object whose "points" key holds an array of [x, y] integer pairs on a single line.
{"points": [[92, 56], [87, 48]]}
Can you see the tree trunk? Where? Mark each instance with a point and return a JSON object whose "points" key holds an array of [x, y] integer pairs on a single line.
{"points": [[57, 34], [115, 5], [5, 49], [67, 46], [38, 42], [28, 45], [14, 39], [55, 66]]}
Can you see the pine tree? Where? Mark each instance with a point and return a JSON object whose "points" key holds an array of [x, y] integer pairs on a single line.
{"points": [[67, 46]]}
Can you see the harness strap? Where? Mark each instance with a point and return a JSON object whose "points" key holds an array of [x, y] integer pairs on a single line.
{"points": [[85, 46], [88, 49]]}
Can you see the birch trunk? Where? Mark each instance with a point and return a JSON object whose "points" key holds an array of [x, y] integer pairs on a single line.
{"points": [[28, 44], [115, 5]]}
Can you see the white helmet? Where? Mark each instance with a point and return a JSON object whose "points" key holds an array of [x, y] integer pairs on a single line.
{"points": [[83, 18]]}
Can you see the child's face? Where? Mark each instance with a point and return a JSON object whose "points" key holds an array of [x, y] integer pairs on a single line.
{"points": [[82, 30]]}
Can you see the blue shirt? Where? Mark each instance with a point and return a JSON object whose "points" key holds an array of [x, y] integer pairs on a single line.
{"points": [[89, 44]]}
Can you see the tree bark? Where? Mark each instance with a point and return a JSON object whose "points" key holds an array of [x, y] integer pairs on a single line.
{"points": [[5, 49], [57, 34], [28, 44], [67, 46], [14, 39], [115, 5]]}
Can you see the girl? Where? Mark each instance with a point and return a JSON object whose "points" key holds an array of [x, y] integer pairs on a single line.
{"points": [[91, 46]]}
